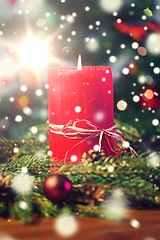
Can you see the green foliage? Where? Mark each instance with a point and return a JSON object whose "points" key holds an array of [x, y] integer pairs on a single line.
{"points": [[138, 178]]}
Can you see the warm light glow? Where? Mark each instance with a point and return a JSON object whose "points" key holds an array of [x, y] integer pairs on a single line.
{"points": [[121, 105], [149, 94], [23, 101], [33, 53], [79, 63]]}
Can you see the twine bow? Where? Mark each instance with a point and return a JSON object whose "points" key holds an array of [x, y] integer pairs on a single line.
{"points": [[110, 135]]}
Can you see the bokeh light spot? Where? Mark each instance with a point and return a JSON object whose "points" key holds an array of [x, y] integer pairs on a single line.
{"points": [[121, 105], [149, 94]]}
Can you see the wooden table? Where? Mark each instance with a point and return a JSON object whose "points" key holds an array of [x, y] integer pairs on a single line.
{"points": [[89, 228]]}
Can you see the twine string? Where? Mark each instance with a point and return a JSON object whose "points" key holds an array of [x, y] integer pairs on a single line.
{"points": [[72, 131]]}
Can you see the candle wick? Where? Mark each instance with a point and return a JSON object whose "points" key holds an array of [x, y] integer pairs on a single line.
{"points": [[79, 63]]}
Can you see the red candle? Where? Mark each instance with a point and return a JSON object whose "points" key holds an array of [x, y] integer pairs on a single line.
{"points": [[84, 95]]}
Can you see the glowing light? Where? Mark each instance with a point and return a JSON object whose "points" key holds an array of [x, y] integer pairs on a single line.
{"points": [[34, 130], [87, 8], [156, 70], [154, 160], [70, 18], [77, 109], [50, 153], [4, 236], [23, 101], [115, 207], [126, 144], [74, 14], [42, 137], [73, 33], [23, 205], [112, 59], [40, 22], [135, 45], [16, 150], [149, 94], [141, 79], [121, 105], [18, 118], [99, 116], [66, 225], [11, 99], [73, 158], [125, 71], [60, 37], [23, 88], [22, 183], [39, 92], [123, 46], [115, 14], [104, 34], [110, 6], [33, 53], [90, 27], [98, 23], [27, 110], [108, 51], [24, 170], [142, 51], [136, 98], [92, 44], [96, 148], [134, 223], [144, 17], [155, 122], [119, 20], [152, 43], [110, 169]]}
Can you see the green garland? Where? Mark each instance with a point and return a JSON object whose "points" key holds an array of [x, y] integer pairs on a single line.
{"points": [[134, 176]]}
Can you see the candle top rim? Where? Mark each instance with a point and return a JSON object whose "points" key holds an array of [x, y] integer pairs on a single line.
{"points": [[83, 68]]}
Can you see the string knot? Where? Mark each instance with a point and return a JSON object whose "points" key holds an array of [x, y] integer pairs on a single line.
{"points": [[84, 130]]}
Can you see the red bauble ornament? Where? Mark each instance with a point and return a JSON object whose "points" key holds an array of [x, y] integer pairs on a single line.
{"points": [[57, 188]]}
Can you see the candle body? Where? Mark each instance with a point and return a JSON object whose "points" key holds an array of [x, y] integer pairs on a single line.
{"points": [[79, 94]]}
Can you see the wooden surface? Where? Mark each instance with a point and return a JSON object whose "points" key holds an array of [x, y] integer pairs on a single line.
{"points": [[89, 228]]}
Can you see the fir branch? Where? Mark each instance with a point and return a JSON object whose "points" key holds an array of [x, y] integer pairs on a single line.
{"points": [[136, 177], [129, 131]]}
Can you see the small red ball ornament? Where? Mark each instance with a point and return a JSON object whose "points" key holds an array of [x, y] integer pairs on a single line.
{"points": [[57, 188]]}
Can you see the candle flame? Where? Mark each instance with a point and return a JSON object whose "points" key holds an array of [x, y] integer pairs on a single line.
{"points": [[79, 63]]}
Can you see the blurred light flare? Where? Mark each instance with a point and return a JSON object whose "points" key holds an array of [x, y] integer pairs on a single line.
{"points": [[115, 208], [33, 53], [5, 236], [66, 225], [149, 94], [23, 101], [134, 223], [22, 183]]}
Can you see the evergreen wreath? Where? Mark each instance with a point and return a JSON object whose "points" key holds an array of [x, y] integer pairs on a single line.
{"points": [[93, 182]]}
